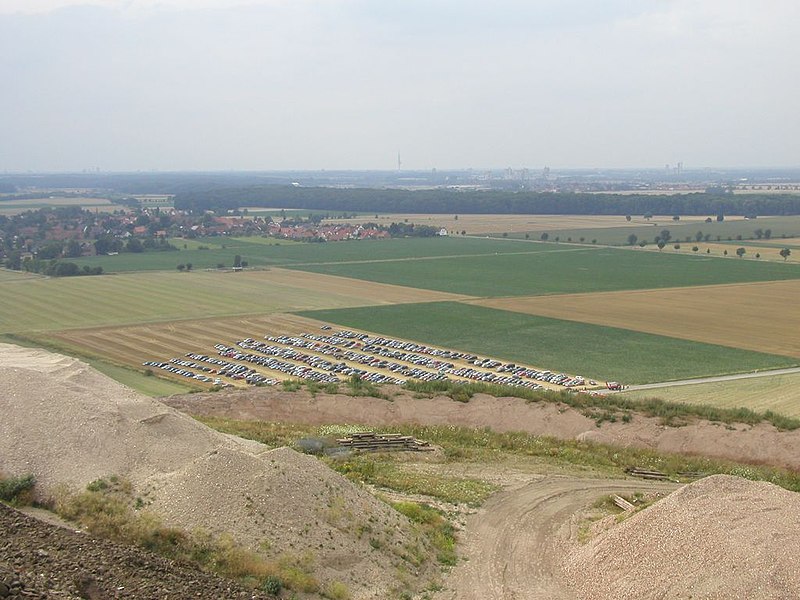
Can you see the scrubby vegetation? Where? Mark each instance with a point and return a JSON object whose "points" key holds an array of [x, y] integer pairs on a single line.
{"points": [[107, 508], [463, 444], [609, 407]]}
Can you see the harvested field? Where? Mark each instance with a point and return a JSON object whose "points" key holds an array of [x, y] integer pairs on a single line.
{"points": [[720, 537], [759, 316], [44, 304], [499, 223], [134, 344], [778, 393]]}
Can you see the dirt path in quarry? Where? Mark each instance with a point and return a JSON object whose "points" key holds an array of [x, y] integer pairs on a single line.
{"points": [[513, 546]]}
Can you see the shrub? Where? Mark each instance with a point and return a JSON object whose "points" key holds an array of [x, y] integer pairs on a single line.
{"points": [[338, 591], [272, 585], [16, 490]]}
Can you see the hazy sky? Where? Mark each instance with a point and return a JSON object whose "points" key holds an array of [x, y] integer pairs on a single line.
{"points": [[346, 84]]}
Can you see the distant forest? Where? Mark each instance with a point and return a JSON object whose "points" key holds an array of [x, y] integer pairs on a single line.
{"points": [[485, 202], [221, 192]]}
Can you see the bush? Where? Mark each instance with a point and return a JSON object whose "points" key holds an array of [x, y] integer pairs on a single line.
{"points": [[272, 585], [338, 591], [16, 490]]}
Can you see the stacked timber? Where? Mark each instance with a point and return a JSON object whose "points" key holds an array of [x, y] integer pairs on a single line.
{"points": [[645, 473], [370, 441]]}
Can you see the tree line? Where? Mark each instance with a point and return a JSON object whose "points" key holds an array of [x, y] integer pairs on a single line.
{"points": [[484, 202]]}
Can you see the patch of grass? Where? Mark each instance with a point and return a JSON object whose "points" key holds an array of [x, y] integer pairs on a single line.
{"points": [[605, 352], [436, 528], [391, 476]]}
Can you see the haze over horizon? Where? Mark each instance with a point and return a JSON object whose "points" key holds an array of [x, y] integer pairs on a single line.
{"points": [[346, 84]]}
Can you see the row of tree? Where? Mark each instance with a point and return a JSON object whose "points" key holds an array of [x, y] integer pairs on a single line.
{"points": [[55, 268], [484, 202]]}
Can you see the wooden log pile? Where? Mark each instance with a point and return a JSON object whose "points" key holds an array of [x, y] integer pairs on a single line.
{"points": [[370, 441], [646, 474]]}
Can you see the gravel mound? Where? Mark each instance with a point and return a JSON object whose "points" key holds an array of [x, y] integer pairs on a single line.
{"points": [[720, 537], [43, 561], [66, 423]]}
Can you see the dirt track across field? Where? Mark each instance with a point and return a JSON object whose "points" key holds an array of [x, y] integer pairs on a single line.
{"points": [[753, 316], [514, 544]]}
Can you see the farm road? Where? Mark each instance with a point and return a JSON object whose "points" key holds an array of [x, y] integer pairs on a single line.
{"points": [[754, 375], [514, 543]]}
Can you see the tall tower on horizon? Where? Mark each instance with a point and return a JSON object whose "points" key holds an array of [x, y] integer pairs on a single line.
{"points": [[398, 162]]}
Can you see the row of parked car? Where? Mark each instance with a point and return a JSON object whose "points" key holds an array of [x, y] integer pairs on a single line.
{"points": [[171, 368], [328, 358], [410, 352]]}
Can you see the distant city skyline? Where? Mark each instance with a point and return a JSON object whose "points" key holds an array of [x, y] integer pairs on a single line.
{"points": [[169, 85]]}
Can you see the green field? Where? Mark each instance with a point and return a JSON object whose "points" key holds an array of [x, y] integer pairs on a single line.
{"points": [[562, 270], [618, 236], [778, 393], [47, 304], [261, 252], [602, 353]]}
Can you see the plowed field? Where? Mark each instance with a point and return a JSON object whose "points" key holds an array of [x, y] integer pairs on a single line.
{"points": [[761, 316]]}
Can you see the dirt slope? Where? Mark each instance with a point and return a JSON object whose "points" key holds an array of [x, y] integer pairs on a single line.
{"points": [[720, 537], [757, 444], [38, 560], [64, 422]]}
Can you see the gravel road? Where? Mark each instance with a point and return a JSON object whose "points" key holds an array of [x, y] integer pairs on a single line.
{"points": [[513, 545]]}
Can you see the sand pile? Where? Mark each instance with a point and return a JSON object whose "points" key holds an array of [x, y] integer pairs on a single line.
{"points": [[721, 537], [65, 422]]}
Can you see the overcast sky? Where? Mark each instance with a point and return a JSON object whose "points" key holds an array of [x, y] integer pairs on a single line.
{"points": [[346, 84]]}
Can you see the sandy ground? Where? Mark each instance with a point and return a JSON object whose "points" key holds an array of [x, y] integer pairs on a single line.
{"points": [[761, 444], [754, 316]]}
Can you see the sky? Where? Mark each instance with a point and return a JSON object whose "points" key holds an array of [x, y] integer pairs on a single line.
{"points": [[125, 85]]}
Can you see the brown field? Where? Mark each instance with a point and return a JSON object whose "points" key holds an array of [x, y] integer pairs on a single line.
{"points": [[753, 316], [480, 224], [132, 345]]}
